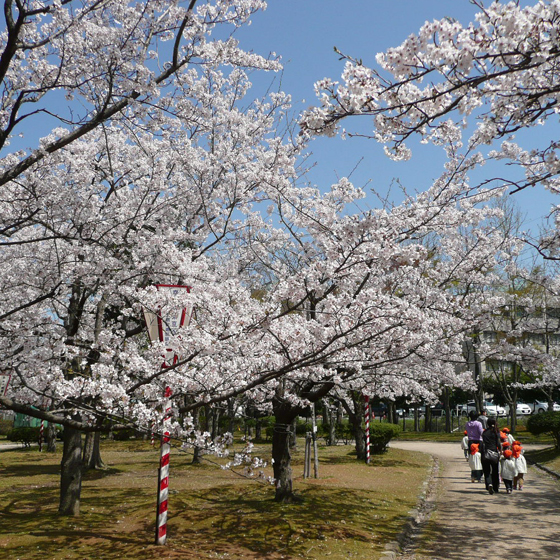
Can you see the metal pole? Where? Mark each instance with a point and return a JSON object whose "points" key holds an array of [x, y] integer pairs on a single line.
{"points": [[314, 439], [307, 456], [163, 473], [366, 399]]}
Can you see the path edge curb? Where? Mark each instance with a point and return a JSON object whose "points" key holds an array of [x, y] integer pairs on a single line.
{"points": [[407, 539]]}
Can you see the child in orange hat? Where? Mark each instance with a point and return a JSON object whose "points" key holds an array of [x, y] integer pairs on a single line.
{"points": [[465, 445], [508, 469], [509, 438], [475, 463], [521, 465]]}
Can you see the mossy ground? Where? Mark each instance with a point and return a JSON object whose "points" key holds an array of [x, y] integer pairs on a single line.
{"points": [[351, 511]]}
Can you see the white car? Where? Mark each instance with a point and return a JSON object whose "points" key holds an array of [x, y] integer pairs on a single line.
{"points": [[522, 409], [491, 409], [494, 409], [539, 407]]}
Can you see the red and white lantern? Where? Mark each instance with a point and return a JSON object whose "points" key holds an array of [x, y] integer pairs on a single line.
{"points": [[162, 327]]}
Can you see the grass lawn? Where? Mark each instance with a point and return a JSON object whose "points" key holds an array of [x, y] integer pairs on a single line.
{"points": [[351, 511], [549, 457]]}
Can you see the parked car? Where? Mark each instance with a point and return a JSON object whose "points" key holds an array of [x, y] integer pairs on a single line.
{"points": [[491, 408], [522, 409], [539, 407]]}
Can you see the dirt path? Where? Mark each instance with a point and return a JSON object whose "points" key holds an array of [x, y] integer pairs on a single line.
{"points": [[467, 522]]}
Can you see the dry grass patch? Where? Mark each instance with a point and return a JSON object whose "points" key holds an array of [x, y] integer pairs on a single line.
{"points": [[549, 457], [351, 511]]}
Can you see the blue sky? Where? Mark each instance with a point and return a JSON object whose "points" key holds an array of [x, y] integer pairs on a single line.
{"points": [[304, 33]]}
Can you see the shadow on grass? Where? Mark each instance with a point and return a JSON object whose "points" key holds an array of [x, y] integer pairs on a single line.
{"points": [[543, 456], [21, 470], [252, 520]]}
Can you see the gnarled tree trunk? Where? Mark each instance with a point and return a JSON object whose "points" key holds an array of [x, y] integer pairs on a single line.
{"points": [[281, 454], [91, 458], [71, 472], [356, 417], [51, 438]]}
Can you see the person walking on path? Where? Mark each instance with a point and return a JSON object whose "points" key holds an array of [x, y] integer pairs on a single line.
{"points": [[491, 442], [465, 524], [509, 438], [483, 418], [465, 444], [475, 463], [521, 465], [474, 429], [508, 470]]}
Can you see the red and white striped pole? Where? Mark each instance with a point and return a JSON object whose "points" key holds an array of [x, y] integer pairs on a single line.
{"points": [[163, 473], [41, 431], [366, 398]]}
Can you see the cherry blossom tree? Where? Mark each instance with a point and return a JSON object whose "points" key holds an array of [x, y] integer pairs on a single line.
{"points": [[363, 303], [142, 159], [152, 165], [463, 88]]}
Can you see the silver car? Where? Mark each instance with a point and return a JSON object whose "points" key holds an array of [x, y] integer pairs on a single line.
{"points": [[539, 407]]}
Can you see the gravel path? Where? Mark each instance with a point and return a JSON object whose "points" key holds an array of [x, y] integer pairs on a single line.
{"points": [[468, 523]]}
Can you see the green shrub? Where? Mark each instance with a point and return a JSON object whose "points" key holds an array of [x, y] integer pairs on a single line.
{"points": [[26, 435], [545, 423], [380, 434], [302, 427], [124, 434], [344, 431], [6, 427]]}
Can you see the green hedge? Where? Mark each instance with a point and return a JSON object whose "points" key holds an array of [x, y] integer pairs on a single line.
{"points": [[545, 423], [6, 426], [380, 434], [27, 436]]}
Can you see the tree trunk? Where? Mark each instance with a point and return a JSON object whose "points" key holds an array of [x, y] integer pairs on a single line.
{"points": [[360, 435], [71, 473], [216, 413], [314, 437], [281, 453], [286, 414], [51, 438], [92, 453], [293, 434], [197, 453], [427, 419], [331, 418], [231, 416], [355, 417], [447, 409]]}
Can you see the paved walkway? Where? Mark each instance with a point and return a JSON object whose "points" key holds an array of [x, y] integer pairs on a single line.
{"points": [[468, 523]]}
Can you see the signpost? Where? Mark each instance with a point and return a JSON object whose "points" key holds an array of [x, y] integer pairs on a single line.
{"points": [[4, 382], [161, 328]]}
